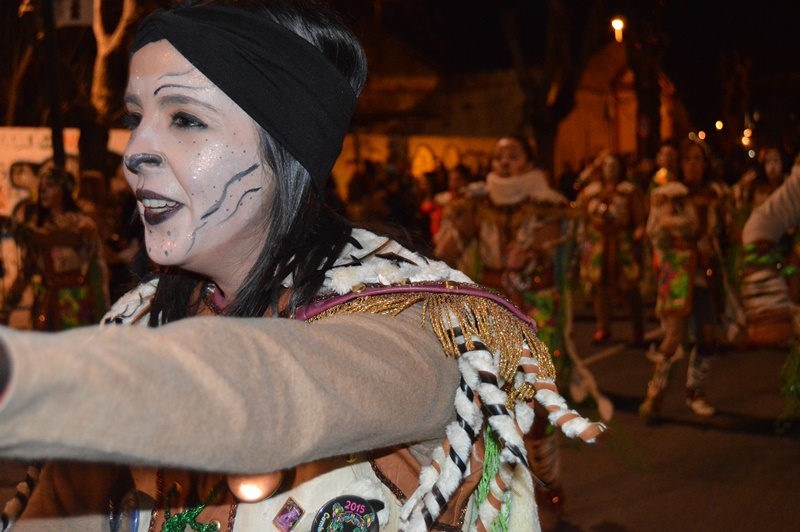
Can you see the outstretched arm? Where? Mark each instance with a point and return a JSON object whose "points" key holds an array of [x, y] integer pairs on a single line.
{"points": [[236, 395]]}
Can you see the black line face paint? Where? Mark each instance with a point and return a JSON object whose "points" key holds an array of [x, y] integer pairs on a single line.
{"points": [[236, 178], [194, 154], [240, 203]]}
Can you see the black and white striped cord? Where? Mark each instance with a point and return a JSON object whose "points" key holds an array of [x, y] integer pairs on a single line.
{"points": [[16, 505], [451, 462]]}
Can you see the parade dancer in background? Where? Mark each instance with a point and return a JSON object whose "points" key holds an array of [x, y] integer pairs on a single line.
{"points": [[769, 311], [683, 224], [611, 256], [61, 260], [510, 232]]}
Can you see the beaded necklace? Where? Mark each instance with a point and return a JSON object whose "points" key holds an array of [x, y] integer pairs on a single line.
{"points": [[178, 522]]}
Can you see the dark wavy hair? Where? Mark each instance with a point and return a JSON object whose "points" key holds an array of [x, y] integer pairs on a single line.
{"points": [[530, 153], [66, 182], [623, 168], [689, 144], [304, 237]]}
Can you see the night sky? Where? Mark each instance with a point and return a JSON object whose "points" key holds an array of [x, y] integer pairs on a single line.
{"points": [[703, 40], [705, 37]]}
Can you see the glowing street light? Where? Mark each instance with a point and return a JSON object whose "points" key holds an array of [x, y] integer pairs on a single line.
{"points": [[718, 125], [617, 24], [701, 135]]}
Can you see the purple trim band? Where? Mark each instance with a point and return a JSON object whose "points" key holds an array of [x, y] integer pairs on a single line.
{"points": [[443, 287]]}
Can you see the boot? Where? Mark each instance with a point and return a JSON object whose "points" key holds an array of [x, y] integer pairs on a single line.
{"points": [[650, 409], [696, 378], [695, 399]]}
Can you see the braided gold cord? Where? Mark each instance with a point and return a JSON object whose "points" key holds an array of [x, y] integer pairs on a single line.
{"points": [[479, 317]]}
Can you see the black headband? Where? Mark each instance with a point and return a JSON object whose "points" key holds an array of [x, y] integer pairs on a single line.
{"points": [[278, 78]]}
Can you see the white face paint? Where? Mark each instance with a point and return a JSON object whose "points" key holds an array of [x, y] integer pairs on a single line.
{"points": [[193, 163]]}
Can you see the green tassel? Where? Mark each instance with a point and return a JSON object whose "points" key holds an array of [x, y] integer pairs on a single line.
{"points": [[501, 523], [491, 466], [188, 517]]}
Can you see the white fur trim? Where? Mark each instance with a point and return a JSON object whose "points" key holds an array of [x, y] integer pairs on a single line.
{"points": [[514, 189], [375, 270], [134, 305], [523, 514], [557, 408], [524, 414], [670, 190], [488, 513], [371, 489]]}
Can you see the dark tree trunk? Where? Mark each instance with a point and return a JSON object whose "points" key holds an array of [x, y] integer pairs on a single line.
{"points": [[106, 97], [645, 44], [549, 96]]}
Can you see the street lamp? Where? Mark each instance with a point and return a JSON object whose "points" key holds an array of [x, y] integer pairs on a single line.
{"points": [[617, 24]]}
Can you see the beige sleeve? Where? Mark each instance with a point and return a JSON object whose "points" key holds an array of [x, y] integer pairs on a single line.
{"points": [[225, 394], [779, 213]]}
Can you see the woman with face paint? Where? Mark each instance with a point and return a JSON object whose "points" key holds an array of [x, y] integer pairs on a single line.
{"points": [[282, 369]]}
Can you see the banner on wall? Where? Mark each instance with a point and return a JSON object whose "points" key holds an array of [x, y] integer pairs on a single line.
{"points": [[24, 150]]}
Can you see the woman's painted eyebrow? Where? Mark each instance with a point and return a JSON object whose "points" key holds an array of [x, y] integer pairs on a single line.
{"points": [[175, 85]]}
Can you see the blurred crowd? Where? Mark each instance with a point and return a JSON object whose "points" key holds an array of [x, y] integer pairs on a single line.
{"points": [[660, 238]]}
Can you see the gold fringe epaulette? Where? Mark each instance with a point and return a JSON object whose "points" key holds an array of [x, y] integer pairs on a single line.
{"points": [[503, 333]]}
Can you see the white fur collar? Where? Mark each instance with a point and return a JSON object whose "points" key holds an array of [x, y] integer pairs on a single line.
{"points": [[514, 189], [380, 260]]}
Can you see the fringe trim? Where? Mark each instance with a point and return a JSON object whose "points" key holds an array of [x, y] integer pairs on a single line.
{"points": [[467, 317]]}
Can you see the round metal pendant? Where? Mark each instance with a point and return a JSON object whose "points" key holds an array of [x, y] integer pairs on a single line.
{"points": [[254, 488]]}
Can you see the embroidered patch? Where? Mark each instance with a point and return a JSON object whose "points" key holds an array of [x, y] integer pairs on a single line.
{"points": [[347, 513], [288, 516]]}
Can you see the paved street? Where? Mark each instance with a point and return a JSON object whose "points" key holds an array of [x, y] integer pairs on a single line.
{"points": [[731, 472]]}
